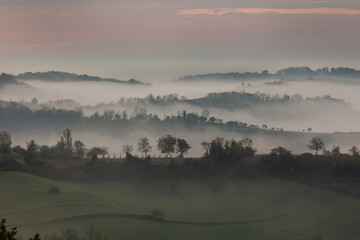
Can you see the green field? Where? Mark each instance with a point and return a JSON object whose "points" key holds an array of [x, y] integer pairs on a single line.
{"points": [[26, 204]]}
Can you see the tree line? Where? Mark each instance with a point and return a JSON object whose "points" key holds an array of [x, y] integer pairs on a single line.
{"points": [[65, 148], [234, 158], [167, 144], [12, 115]]}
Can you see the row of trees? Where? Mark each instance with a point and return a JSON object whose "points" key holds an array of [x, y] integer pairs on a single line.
{"points": [[65, 148], [318, 144], [220, 147], [281, 161], [167, 145], [12, 115]]}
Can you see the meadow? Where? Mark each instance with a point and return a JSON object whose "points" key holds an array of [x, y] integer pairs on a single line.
{"points": [[264, 208]]}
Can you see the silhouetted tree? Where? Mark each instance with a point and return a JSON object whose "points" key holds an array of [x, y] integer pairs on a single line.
{"points": [[279, 160], [11, 235], [31, 151], [335, 151], [212, 120], [32, 148], [215, 147], [247, 143], [36, 237], [127, 149], [166, 144], [354, 151], [79, 149], [144, 146], [60, 148], [316, 144], [67, 140], [45, 151], [5, 142], [5, 234], [182, 147]]}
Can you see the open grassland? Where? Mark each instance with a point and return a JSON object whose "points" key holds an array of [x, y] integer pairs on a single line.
{"points": [[261, 209]]}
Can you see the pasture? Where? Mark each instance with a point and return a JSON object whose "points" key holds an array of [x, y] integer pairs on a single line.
{"points": [[258, 209]]}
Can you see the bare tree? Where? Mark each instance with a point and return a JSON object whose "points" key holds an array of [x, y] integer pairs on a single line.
{"points": [[144, 146], [127, 149], [316, 143], [354, 151]]}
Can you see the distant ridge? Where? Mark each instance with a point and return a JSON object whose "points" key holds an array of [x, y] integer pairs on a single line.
{"points": [[58, 76], [286, 73]]}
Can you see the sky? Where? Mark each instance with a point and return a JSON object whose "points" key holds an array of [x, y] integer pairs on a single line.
{"points": [[164, 39]]}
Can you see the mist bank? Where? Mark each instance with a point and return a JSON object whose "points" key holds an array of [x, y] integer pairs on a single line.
{"points": [[277, 103], [289, 112], [93, 93], [115, 138], [343, 74], [113, 131]]}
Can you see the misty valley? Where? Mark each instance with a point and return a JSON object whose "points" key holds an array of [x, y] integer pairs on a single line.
{"points": [[210, 156]]}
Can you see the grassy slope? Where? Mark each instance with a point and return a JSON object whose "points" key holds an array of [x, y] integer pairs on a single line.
{"points": [[26, 203]]}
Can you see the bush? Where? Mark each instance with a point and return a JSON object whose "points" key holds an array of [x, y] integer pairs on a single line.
{"points": [[157, 214]]}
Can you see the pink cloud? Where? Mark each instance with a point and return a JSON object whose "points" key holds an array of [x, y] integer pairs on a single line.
{"points": [[224, 11]]}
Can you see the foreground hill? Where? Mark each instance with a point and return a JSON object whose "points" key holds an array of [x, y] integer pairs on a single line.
{"points": [[261, 209]]}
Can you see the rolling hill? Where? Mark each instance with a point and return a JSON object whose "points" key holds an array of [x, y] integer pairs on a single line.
{"points": [[261, 209]]}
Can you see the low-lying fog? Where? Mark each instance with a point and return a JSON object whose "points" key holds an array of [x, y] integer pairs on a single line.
{"points": [[320, 117], [93, 93], [296, 116], [114, 141]]}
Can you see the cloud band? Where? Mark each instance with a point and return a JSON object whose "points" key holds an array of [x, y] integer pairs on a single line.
{"points": [[224, 11]]}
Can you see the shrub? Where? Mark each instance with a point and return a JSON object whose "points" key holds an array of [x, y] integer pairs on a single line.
{"points": [[157, 214]]}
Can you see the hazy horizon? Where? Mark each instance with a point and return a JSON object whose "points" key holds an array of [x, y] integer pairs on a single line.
{"points": [[162, 40]]}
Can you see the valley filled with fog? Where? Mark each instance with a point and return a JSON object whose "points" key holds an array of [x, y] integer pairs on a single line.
{"points": [[196, 120], [273, 106]]}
